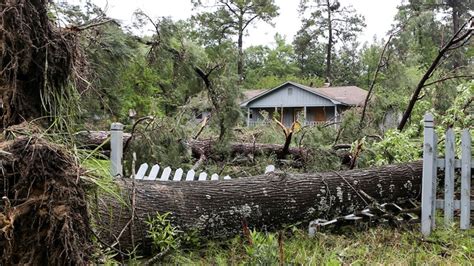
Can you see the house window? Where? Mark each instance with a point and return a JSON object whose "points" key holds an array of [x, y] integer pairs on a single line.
{"points": [[199, 116], [290, 91], [251, 115]]}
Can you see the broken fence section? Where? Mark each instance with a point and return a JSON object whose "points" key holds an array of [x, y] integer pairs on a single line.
{"points": [[376, 214], [449, 163]]}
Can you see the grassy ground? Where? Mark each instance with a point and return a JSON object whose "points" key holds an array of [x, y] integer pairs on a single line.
{"points": [[372, 246]]}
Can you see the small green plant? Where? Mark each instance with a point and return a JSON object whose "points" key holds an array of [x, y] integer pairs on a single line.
{"points": [[190, 239], [263, 249], [162, 233]]}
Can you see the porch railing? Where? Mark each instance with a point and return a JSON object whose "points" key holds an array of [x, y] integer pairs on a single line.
{"points": [[267, 122]]}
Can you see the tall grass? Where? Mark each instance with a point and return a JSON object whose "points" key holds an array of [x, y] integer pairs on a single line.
{"points": [[372, 246]]}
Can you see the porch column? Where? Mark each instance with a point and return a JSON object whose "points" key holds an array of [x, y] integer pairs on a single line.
{"points": [[304, 122], [335, 117], [248, 117], [281, 115]]}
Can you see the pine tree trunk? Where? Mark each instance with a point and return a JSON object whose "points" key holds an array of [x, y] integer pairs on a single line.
{"points": [[240, 63], [217, 209], [329, 45]]}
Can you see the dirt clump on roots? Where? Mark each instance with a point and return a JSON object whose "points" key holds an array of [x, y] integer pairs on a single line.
{"points": [[43, 215], [37, 60]]}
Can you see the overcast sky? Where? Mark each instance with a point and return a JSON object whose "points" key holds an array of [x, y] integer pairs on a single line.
{"points": [[378, 16]]}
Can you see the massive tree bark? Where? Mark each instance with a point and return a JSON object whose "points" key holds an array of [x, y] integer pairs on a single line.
{"points": [[217, 209]]}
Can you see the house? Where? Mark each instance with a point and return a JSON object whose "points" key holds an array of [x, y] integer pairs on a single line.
{"points": [[293, 101]]}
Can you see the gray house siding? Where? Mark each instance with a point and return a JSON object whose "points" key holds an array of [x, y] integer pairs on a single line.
{"points": [[289, 96]]}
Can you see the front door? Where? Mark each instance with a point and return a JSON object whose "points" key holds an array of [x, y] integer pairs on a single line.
{"points": [[320, 115]]}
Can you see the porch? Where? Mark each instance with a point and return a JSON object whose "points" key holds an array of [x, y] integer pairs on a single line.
{"points": [[309, 116]]}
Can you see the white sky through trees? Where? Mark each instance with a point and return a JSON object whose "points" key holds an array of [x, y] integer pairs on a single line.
{"points": [[378, 15]]}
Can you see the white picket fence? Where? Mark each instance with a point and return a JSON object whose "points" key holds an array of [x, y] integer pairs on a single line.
{"points": [[166, 174], [116, 168], [449, 163]]}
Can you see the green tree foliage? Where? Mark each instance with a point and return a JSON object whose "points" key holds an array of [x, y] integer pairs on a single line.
{"points": [[427, 26], [174, 55], [329, 22], [111, 56], [225, 19], [265, 65]]}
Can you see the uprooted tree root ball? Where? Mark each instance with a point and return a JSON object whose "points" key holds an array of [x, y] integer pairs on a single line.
{"points": [[37, 60], [43, 216]]}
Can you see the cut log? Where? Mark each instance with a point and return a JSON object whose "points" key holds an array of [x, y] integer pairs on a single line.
{"points": [[217, 209]]}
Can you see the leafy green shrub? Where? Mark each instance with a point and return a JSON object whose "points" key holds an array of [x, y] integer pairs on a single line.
{"points": [[162, 233], [263, 250], [396, 147]]}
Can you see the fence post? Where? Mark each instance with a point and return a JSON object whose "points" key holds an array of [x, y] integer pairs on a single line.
{"points": [[428, 198], [434, 178], [465, 179], [116, 149], [449, 178]]}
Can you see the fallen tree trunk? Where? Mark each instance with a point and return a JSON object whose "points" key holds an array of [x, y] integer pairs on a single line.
{"points": [[217, 209], [205, 147], [200, 148]]}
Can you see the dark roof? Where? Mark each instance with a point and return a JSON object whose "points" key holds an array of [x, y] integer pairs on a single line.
{"points": [[345, 95], [249, 94], [350, 95]]}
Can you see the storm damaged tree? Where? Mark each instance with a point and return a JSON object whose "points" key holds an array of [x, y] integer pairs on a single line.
{"points": [[42, 63], [172, 55], [187, 69], [222, 91], [44, 216], [228, 18], [458, 40], [37, 61], [218, 209]]}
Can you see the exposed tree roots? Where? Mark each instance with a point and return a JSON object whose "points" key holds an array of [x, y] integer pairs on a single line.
{"points": [[43, 216], [36, 60]]}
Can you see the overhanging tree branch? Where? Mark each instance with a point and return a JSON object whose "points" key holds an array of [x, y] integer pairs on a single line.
{"points": [[456, 38], [447, 78], [95, 24], [249, 21]]}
